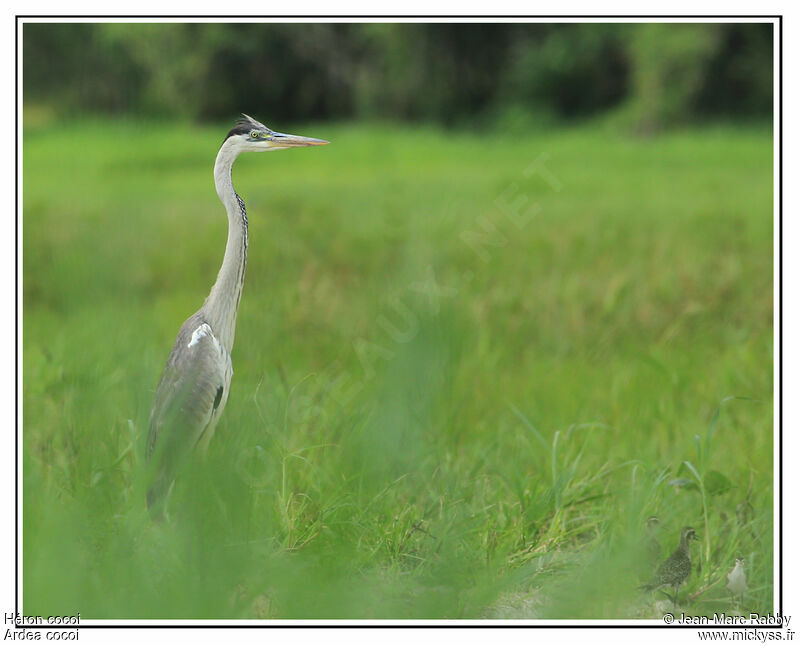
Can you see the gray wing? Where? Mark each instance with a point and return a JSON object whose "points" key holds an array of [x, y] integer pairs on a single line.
{"points": [[186, 401]]}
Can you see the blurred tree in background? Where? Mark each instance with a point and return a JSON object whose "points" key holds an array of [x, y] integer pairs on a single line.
{"points": [[655, 75], [670, 64]]}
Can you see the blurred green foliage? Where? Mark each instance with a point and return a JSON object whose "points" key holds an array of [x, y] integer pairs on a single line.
{"points": [[670, 65], [422, 423], [657, 75]]}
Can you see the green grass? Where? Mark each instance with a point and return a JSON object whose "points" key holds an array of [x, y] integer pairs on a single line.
{"points": [[438, 410]]}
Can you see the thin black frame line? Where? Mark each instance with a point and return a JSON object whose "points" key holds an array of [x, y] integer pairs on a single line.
{"points": [[779, 18], [780, 314], [558, 16], [379, 626], [16, 321]]}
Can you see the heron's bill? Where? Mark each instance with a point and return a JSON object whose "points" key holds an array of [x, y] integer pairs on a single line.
{"points": [[295, 141]]}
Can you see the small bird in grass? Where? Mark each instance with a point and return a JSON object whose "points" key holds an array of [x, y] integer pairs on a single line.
{"points": [[652, 547], [737, 581], [677, 567]]}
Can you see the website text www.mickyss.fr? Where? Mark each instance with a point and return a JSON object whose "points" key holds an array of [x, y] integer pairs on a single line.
{"points": [[746, 635]]}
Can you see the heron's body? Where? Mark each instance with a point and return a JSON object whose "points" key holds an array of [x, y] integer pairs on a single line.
{"points": [[193, 389]]}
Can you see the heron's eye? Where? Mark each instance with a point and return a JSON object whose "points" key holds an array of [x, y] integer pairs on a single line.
{"points": [[255, 134]]}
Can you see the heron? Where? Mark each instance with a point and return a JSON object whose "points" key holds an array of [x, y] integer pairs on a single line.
{"points": [[194, 385]]}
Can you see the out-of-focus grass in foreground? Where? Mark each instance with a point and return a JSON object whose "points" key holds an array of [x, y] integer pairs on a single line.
{"points": [[461, 382]]}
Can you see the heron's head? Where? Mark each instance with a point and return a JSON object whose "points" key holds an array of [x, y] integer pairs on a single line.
{"points": [[249, 135]]}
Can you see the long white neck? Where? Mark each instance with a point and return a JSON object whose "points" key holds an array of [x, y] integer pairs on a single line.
{"points": [[223, 302]]}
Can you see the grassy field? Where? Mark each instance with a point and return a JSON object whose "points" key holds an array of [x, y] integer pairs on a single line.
{"points": [[467, 368]]}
